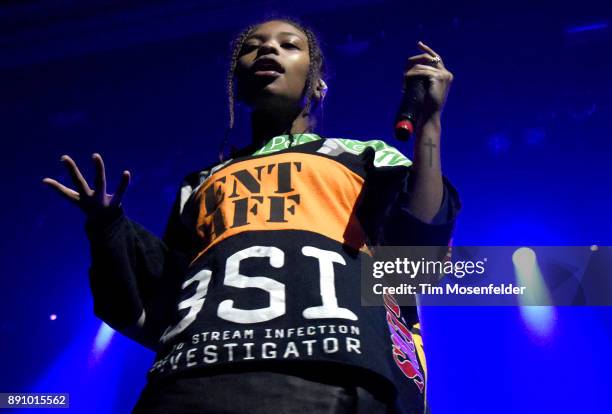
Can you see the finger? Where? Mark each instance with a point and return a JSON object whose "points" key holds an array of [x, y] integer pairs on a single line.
{"points": [[423, 68], [425, 59], [123, 185], [100, 177], [417, 74], [432, 53], [427, 73], [76, 175], [64, 191], [422, 56], [427, 49], [442, 75]]}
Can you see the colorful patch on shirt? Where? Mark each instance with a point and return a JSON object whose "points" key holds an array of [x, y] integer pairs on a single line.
{"points": [[385, 155], [286, 191], [403, 347]]}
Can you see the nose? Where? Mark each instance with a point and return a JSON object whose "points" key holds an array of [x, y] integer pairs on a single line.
{"points": [[269, 46]]}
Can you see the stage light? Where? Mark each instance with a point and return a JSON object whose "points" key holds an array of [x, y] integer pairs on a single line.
{"points": [[498, 143], [524, 259], [534, 136], [103, 338], [535, 305], [587, 27], [78, 370], [53, 317], [540, 320]]}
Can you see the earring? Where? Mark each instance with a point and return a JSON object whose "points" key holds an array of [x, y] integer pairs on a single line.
{"points": [[322, 88]]}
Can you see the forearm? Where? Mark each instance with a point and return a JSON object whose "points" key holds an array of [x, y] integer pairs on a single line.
{"points": [[126, 268], [425, 185]]}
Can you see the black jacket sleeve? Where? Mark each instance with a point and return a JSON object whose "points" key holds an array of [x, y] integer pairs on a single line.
{"points": [[402, 228], [134, 275], [384, 214]]}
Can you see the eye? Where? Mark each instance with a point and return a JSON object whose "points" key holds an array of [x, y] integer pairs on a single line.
{"points": [[288, 45], [248, 47]]}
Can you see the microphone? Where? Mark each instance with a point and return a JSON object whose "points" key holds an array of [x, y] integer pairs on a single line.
{"points": [[410, 107]]}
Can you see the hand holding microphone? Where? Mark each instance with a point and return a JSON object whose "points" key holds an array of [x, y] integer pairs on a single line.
{"points": [[426, 86]]}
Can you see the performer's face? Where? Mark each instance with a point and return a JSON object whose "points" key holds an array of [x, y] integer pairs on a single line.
{"points": [[269, 84]]}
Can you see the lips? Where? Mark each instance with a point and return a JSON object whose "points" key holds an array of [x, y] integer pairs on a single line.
{"points": [[267, 65]]}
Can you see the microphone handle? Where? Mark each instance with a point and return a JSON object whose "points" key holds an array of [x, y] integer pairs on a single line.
{"points": [[410, 107]]}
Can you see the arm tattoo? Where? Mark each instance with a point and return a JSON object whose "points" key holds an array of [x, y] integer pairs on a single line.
{"points": [[431, 146]]}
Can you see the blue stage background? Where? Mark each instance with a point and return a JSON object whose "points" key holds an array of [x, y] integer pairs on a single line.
{"points": [[526, 141]]}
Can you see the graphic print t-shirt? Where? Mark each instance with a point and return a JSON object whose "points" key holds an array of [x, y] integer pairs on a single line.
{"points": [[260, 266]]}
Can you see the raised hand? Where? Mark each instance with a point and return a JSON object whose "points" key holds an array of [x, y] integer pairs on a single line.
{"points": [[430, 64], [89, 200]]}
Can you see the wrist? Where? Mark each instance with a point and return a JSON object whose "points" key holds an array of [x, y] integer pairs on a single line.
{"points": [[430, 124], [103, 218]]}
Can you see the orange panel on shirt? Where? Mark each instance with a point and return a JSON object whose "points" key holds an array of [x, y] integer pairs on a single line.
{"points": [[289, 191]]}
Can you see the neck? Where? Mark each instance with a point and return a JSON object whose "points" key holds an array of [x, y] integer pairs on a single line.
{"points": [[266, 125]]}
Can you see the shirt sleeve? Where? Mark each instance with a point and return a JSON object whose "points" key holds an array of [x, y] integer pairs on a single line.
{"points": [[134, 273], [384, 214], [402, 228]]}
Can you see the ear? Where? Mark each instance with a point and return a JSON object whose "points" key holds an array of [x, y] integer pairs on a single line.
{"points": [[320, 90]]}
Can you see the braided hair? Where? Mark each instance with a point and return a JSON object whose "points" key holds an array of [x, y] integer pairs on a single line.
{"points": [[315, 71]]}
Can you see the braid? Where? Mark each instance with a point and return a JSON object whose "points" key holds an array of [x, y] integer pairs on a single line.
{"points": [[236, 48], [315, 71], [312, 72]]}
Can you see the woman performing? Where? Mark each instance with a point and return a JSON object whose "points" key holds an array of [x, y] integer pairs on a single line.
{"points": [[251, 299]]}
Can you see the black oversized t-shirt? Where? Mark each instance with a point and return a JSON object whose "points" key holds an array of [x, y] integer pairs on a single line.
{"points": [[259, 267]]}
